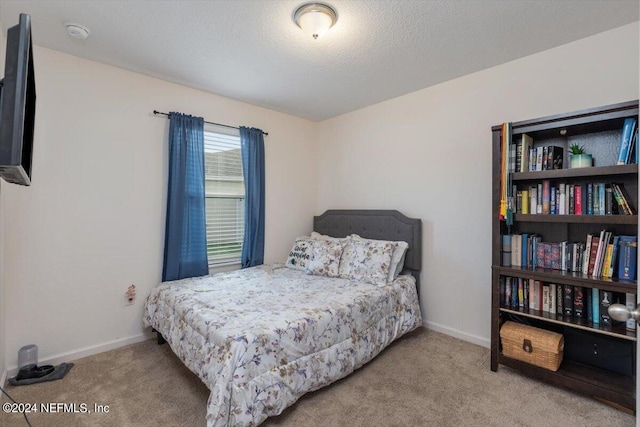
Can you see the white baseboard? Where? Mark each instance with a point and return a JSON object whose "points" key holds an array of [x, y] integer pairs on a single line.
{"points": [[481, 341], [84, 352]]}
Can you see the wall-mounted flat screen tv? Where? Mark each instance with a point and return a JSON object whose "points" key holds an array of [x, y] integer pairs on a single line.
{"points": [[17, 105]]}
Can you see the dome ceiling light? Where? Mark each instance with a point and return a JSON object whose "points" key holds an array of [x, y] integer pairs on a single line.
{"points": [[315, 19]]}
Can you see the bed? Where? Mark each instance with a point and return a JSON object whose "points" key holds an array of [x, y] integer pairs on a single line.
{"points": [[261, 337]]}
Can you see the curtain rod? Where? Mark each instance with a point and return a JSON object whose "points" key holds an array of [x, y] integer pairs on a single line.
{"points": [[211, 123]]}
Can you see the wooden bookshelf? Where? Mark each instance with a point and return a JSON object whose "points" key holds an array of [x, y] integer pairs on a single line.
{"points": [[600, 130]]}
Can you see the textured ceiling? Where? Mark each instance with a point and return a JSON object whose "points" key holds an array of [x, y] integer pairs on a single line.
{"points": [[252, 51]]}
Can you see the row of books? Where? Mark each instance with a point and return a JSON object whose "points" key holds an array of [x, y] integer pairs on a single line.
{"points": [[570, 302], [602, 255], [524, 157], [628, 145], [574, 199]]}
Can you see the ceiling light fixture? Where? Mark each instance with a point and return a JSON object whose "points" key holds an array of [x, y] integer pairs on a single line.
{"points": [[315, 18], [77, 31]]}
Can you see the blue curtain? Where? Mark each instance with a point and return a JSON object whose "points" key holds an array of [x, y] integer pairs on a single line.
{"points": [[252, 142], [185, 242]]}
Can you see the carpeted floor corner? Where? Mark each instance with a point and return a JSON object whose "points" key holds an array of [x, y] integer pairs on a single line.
{"points": [[423, 379]]}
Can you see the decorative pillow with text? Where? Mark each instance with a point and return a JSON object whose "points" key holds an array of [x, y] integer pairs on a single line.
{"points": [[301, 253]]}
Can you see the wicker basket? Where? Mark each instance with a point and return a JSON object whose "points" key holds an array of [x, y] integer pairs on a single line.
{"points": [[532, 345]]}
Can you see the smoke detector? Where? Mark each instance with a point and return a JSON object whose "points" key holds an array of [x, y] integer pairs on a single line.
{"points": [[77, 31]]}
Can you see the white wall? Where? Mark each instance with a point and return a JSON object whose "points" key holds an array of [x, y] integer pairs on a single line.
{"points": [[92, 223], [428, 154]]}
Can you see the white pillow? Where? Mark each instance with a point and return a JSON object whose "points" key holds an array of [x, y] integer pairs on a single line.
{"points": [[366, 261], [397, 258], [318, 236], [326, 258], [301, 253]]}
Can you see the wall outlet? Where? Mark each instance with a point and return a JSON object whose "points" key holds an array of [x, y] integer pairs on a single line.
{"points": [[131, 295]]}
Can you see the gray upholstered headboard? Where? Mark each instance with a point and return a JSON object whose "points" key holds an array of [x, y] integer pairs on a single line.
{"points": [[376, 224]]}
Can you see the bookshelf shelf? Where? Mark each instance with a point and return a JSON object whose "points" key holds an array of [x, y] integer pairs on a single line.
{"points": [[579, 219], [618, 331], [611, 387], [600, 171], [600, 130], [567, 278]]}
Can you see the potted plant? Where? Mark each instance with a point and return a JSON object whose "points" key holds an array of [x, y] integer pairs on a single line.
{"points": [[578, 158]]}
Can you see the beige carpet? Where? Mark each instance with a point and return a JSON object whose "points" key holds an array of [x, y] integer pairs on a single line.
{"points": [[424, 379]]}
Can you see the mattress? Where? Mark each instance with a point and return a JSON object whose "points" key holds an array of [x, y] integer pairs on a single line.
{"points": [[261, 337]]}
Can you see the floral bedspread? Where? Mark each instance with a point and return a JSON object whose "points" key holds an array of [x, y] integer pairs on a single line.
{"points": [[261, 337]]}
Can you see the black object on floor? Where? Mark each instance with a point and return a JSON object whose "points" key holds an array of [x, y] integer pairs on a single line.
{"points": [[34, 372], [57, 373]]}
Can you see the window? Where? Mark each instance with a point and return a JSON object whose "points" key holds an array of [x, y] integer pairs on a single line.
{"points": [[224, 197]]}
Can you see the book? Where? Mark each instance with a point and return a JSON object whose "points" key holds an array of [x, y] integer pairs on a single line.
{"points": [[627, 251], [576, 257], [506, 250], [555, 156], [525, 249], [525, 147], [535, 295], [593, 252], [631, 305], [590, 200], [540, 251], [548, 249], [533, 157], [546, 197], [595, 305], [556, 256], [546, 304], [614, 257], [559, 300], [535, 240], [539, 158], [587, 254], [619, 199], [525, 202], [520, 293], [624, 197], [553, 298], [516, 249], [579, 308], [518, 155], [571, 200], [637, 148], [561, 202], [567, 300], [539, 199], [605, 236], [606, 264], [601, 198], [577, 197], [533, 199], [608, 200], [605, 301], [628, 129]]}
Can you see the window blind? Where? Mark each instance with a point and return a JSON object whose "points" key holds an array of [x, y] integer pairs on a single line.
{"points": [[224, 192]]}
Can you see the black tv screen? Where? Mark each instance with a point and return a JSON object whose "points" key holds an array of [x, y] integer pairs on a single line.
{"points": [[17, 105]]}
